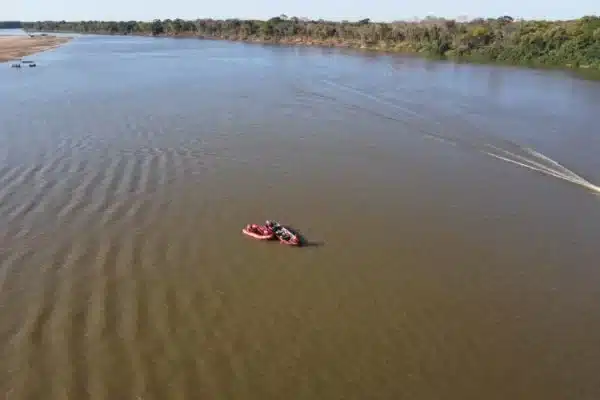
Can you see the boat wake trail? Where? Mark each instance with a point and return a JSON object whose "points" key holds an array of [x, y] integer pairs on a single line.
{"points": [[518, 155], [536, 163]]}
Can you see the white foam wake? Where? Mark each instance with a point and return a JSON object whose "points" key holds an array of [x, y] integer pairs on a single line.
{"points": [[564, 173], [530, 159]]}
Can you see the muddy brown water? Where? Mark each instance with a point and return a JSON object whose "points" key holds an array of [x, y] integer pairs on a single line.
{"points": [[451, 211]]}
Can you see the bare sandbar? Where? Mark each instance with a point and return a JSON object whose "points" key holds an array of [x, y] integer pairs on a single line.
{"points": [[16, 47]]}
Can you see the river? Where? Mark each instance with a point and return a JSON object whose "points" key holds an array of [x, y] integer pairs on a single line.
{"points": [[451, 212]]}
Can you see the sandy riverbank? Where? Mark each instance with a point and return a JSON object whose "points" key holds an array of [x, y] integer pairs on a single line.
{"points": [[15, 47]]}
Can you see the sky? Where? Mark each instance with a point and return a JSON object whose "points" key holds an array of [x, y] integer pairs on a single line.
{"points": [[336, 10]]}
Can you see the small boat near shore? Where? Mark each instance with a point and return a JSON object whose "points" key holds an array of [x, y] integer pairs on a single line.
{"points": [[22, 63]]}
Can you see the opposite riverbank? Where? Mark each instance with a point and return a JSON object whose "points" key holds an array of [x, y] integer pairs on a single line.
{"points": [[574, 43], [16, 47]]}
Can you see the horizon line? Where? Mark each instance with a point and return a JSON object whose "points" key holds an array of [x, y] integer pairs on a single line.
{"points": [[460, 18]]}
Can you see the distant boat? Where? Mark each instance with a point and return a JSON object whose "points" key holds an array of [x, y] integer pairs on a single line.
{"points": [[20, 63]]}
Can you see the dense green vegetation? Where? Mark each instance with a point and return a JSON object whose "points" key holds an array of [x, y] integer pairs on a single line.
{"points": [[560, 43], [10, 24]]}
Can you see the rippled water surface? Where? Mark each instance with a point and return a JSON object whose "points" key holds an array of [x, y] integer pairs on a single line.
{"points": [[451, 213]]}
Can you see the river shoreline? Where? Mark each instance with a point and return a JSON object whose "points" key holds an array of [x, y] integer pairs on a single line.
{"points": [[382, 47], [16, 47]]}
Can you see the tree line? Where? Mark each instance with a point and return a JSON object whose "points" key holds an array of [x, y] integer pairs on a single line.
{"points": [[10, 24], [561, 43]]}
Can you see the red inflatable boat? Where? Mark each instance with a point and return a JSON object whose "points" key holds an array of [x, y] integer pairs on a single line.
{"points": [[259, 232]]}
